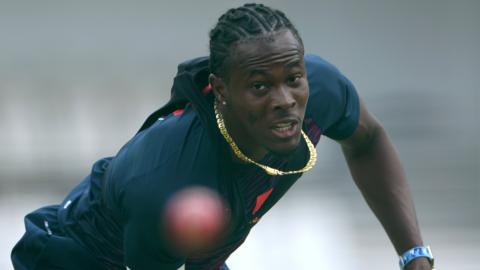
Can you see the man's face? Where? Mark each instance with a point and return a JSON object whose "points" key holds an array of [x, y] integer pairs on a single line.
{"points": [[266, 94]]}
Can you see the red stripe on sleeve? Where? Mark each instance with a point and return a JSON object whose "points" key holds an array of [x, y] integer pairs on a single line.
{"points": [[178, 112], [261, 199]]}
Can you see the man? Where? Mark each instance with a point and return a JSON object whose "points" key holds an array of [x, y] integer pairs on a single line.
{"points": [[242, 122]]}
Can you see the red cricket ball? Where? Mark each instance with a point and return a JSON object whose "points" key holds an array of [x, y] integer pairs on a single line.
{"points": [[195, 219]]}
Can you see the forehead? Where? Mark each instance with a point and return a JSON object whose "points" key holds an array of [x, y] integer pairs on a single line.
{"points": [[279, 48]]}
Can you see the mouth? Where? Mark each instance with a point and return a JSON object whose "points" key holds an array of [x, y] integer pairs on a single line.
{"points": [[285, 129]]}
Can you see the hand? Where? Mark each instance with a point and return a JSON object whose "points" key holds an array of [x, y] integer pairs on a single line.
{"points": [[421, 263]]}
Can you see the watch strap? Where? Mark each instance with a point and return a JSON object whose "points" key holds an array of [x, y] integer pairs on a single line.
{"points": [[413, 253]]}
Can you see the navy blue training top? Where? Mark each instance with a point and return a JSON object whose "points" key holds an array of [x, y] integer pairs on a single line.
{"points": [[114, 212]]}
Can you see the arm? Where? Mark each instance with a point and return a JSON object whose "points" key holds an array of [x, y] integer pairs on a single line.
{"points": [[145, 250], [378, 173]]}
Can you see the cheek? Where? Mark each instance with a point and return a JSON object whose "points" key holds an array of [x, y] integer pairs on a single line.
{"points": [[245, 112], [252, 117], [257, 111], [251, 109]]}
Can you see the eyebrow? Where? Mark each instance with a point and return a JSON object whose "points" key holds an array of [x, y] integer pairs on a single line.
{"points": [[294, 63], [257, 71], [264, 71]]}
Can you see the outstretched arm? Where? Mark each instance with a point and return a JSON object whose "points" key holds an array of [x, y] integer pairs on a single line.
{"points": [[378, 173]]}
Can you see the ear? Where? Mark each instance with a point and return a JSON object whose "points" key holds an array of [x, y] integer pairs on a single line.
{"points": [[219, 87]]}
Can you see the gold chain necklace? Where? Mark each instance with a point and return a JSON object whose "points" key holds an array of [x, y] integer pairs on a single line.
{"points": [[269, 170]]}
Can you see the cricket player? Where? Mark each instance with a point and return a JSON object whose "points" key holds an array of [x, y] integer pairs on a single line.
{"points": [[244, 123]]}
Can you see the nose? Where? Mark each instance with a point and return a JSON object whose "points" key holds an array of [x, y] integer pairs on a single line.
{"points": [[283, 99]]}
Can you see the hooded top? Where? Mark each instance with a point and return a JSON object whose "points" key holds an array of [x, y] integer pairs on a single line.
{"points": [[114, 211]]}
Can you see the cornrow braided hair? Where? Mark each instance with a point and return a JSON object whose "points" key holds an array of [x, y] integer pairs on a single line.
{"points": [[244, 23]]}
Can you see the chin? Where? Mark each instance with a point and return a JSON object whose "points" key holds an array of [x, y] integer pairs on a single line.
{"points": [[285, 149]]}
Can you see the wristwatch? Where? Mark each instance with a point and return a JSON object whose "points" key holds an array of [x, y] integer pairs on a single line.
{"points": [[416, 252]]}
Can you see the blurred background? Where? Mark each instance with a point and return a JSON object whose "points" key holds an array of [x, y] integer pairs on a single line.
{"points": [[78, 78]]}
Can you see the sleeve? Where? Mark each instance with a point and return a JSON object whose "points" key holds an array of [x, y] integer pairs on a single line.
{"points": [[141, 253], [174, 153], [144, 243], [145, 250], [333, 103], [166, 158]]}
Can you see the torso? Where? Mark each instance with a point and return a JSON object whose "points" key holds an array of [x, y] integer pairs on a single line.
{"points": [[176, 152]]}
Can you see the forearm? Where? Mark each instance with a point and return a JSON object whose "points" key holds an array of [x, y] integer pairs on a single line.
{"points": [[377, 171]]}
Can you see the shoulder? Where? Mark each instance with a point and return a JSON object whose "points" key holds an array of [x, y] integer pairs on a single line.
{"points": [[172, 135], [333, 99], [315, 63], [175, 151], [323, 77]]}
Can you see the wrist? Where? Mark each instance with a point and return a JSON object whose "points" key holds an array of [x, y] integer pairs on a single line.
{"points": [[414, 253], [420, 263]]}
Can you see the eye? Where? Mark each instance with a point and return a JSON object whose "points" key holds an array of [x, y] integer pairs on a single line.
{"points": [[294, 78], [259, 86]]}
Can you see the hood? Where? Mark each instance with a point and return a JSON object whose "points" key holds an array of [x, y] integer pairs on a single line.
{"points": [[188, 86]]}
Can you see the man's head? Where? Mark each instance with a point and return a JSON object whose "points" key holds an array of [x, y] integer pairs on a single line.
{"points": [[258, 73]]}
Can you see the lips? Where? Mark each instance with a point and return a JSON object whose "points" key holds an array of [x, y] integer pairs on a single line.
{"points": [[285, 129]]}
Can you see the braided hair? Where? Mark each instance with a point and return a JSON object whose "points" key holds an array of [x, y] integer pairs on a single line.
{"points": [[244, 23]]}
